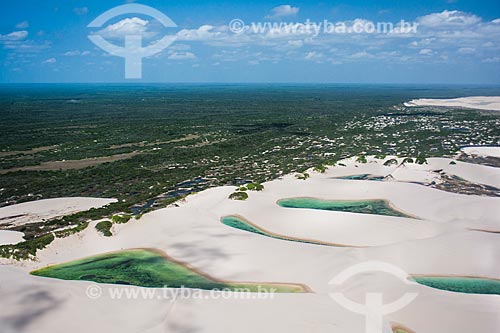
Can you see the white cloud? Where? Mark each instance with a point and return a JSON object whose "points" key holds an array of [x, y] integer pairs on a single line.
{"points": [[181, 56], [179, 47], [127, 27], [71, 53], [14, 36], [361, 55], [295, 43], [438, 35], [466, 50], [81, 10], [492, 60], [50, 61], [283, 11], [76, 53], [26, 46], [22, 25], [203, 33], [313, 55], [448, 19]]}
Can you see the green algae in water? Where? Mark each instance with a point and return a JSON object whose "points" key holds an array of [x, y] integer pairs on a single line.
{"points": [[239, 223], [146, 268], [376, 207], [467, 285]]}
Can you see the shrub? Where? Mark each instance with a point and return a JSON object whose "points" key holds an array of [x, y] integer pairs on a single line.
{"points": [[255, 187], [252, 187], [238, 196], [105, 228], [67, 232], [361, 159], [302, 176], [390, 162], [26, 249], [120, 218], [421, 160], [320, 168]]}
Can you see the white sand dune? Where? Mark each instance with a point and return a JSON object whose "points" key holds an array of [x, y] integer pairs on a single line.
{"points": [[10, 237], [473, 102], [437, 243], [493, 151], [37, 211]]}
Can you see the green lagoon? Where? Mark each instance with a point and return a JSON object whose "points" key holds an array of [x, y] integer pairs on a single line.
{"points": [[468, 285], [376, 207], [148, 268], [242, 224]]}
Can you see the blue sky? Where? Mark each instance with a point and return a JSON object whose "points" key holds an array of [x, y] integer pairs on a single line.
{"points": [[456, 41]]}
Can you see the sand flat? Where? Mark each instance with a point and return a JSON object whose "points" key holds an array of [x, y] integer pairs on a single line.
{"points": [[493, 151], [10, 237], [36, 211], [474, 102]]}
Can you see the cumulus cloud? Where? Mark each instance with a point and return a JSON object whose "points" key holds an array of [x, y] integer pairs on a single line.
{"points": [[466, 50], [71, 53], [313, 55], [127, 27], [448, 19], [295, 43], [22, 25], [203, 33], [283, 11], [14, 36], [26, 46], [181, 56], [49, 61], [425, 52], [438, 35], [75, 53], [492, 60], [361, 55]]}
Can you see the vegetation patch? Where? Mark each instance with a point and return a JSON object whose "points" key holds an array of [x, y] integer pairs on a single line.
{"points": [[120, 219], [27, 249], [390, 162], [104, 227], [421, 160], [238, 195], [361, 159], [302, 176], [320, 168]]}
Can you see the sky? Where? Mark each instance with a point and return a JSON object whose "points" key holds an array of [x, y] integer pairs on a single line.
{"points": [[444, 41]]}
